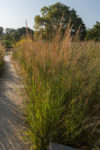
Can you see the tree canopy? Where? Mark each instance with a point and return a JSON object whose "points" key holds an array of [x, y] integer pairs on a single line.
{"points": [[94, 33], [58, 16]]}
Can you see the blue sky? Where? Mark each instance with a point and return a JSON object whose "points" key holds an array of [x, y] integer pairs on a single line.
{"points": [[13, 13]]}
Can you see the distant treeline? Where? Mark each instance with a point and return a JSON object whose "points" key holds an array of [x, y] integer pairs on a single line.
{"points": [[54, 18], [10, 36]]}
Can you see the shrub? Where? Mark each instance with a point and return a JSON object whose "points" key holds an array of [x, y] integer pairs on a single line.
{"points": [[7, 44]]}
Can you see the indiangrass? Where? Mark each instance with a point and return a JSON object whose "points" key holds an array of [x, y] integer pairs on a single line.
{"points": [[62, 83], [1, 58]]}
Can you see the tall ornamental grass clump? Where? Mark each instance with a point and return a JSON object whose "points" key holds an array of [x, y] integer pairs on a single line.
{"points": [[61, 80], [1, 58]]}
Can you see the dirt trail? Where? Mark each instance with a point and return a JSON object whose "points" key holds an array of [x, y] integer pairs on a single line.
{"points": [[11, 122]]}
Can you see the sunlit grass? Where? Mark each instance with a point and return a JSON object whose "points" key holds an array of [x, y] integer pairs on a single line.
{"points": [[62, 80]]}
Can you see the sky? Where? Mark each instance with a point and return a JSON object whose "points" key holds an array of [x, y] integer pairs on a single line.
{"points": [[13, 13]]}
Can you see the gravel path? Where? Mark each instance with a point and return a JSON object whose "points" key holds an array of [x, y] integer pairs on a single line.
{"points": [[11, 122]]}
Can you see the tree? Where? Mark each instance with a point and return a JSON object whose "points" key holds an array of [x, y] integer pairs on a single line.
{"points": [[94, 33], [58, 16], [22, 31], [12, 36], [1, 31], [9, 30]]}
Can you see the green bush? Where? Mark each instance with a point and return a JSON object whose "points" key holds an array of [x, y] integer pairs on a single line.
{"points": [[7, 44]]}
